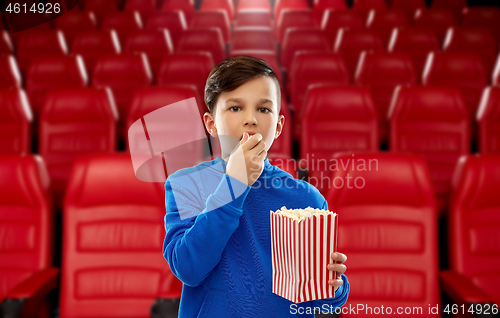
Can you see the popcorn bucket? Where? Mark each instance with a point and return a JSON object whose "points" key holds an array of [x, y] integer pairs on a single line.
{"points": [[301, 251]]}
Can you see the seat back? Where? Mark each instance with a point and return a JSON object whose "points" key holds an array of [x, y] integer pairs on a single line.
{"points": [[334, 20], [409, 7], [431, 121], [483, 17], [363, 7], [213, 19], [26, 219], [185, 7], [15, 130], [6, 46], [155, 44], [74, 22], [123, 22], [321, 6], [203, 39], [384, 21], [455, 6], [288, 4], [92, 44], [123, 73], [173, 21], [462, 70], [496, 73], [36, 44], [474, 221], [100, 8], [388, 216], [439, 20], [336, 118], [10, 77], [253, 38], [382, 72], [226, 5], [145, 8], [244, 5], [253, 17], [299, 39], [417, 43], [488, 117], [186, 69], [474, 40], [112, 233], [53, 72], [351, 43], [289, 18]]}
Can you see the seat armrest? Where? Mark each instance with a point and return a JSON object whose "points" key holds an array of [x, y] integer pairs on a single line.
{"points": [[461, 289], [28, 293]]}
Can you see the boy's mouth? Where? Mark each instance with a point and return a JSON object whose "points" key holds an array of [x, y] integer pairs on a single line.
{"points": [[250, 133]]}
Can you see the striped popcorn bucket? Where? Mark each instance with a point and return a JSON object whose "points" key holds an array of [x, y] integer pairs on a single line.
{"points": [[301, 251]]}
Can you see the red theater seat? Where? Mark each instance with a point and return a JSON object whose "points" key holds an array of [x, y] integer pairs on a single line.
{"points": [[322, 5], [42, 28], [186, 69], [417, 43], [6, 46], [92, 44], [213, 19], [185, 6], [243, 5], [100, 204], [464, 71], [333, 21], [409, 7], [289, 18], [9, 73], [473, 223], [456, 7], [253, 38], [299, 39], [226, 5], [252, 18], [288, 4], [384, 21], [74, 22], [309, 68], [474, 40], [173, 21], [147, 100], [100, 8], [389, 229], [124, 23], [53, 72], [203, 39], [36, 44], [75, 122], [363, 7], [488, 117], [483, 17], [382, 72], [27, 227], [155, 44], [496, 73], [431, 121], [15, 131], [351, 43], [336, 118], [123, 74], [439, 20], [144, 7]]}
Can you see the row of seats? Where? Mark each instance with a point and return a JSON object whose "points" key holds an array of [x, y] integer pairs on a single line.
{"points": [[429, 120], [110, 253]]}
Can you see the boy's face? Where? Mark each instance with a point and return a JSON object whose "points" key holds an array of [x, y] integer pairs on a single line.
{"points": [[252, 107]]}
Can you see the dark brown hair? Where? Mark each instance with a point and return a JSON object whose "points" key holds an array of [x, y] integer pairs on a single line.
{"points": [[234, 72]]}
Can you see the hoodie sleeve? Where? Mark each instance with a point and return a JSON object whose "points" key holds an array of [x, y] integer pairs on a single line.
{"points": [[197, 232]]}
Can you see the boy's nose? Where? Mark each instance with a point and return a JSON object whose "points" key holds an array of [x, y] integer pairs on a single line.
{"points": [[250, 119]]}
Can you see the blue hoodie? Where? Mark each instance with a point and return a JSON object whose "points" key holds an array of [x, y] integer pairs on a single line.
{"points": [[218, 241]]}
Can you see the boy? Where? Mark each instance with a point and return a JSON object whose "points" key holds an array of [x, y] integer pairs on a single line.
{"points": [[217, 222]]}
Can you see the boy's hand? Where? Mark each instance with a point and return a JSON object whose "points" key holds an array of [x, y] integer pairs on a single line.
{"points": [[247, 162], [338, 266]]}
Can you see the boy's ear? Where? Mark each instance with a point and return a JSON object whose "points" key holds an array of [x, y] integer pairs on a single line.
{"points": [[279, 126], [210, 124]]}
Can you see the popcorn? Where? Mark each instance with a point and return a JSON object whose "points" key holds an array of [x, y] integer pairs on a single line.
{"points": [[302, 241]]}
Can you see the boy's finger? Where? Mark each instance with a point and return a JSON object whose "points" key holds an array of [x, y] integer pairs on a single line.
{"points": [[244, 139], [252, 141], [339, 257]]}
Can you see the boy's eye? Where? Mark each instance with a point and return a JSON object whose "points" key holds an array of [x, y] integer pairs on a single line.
{"points": [[234, 108], [264, 110]]}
